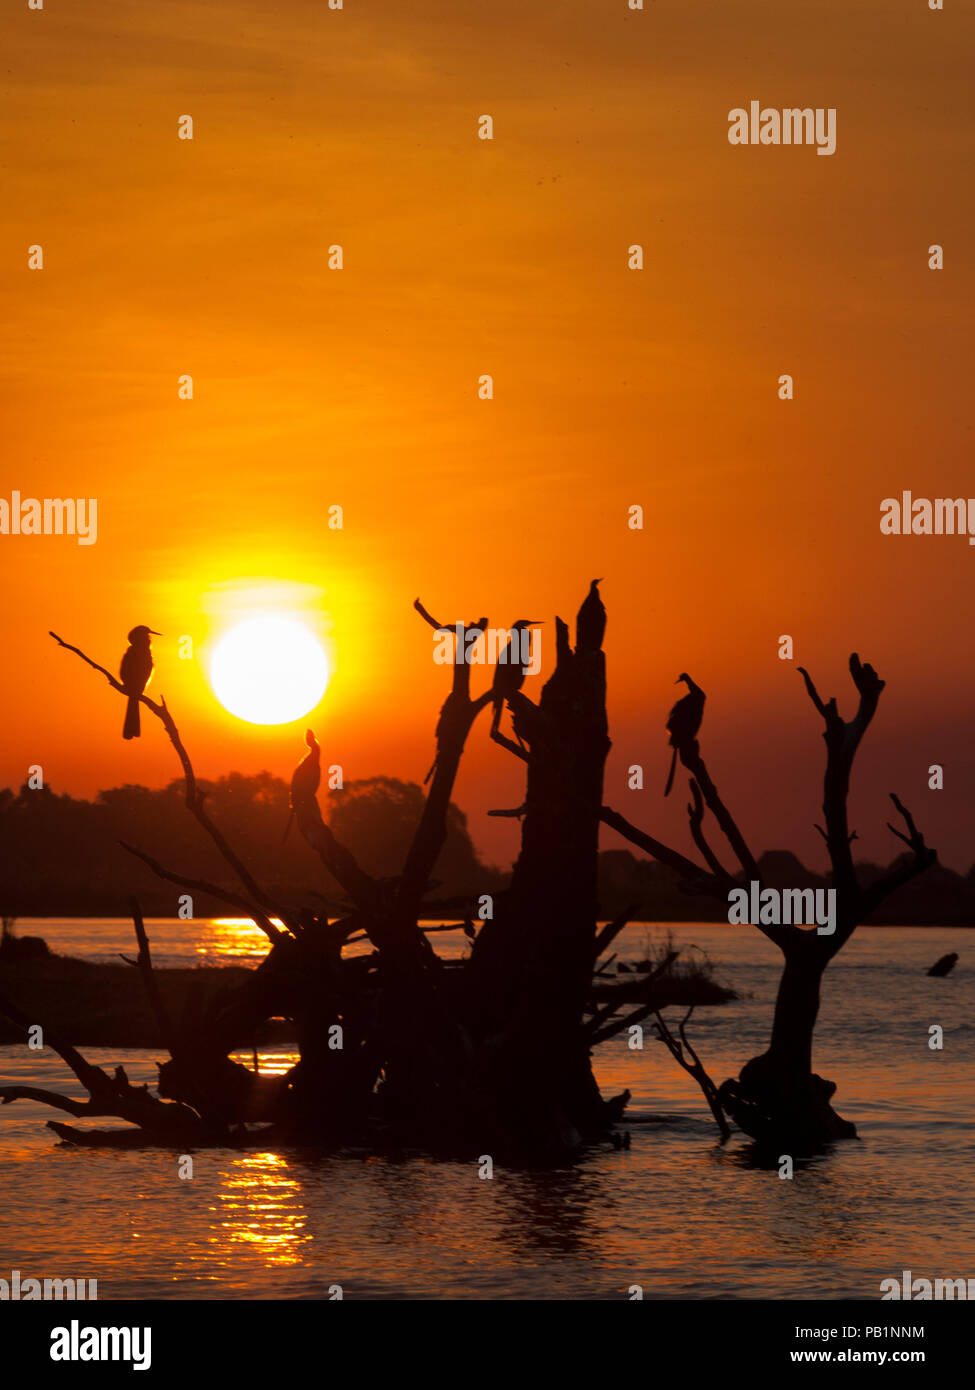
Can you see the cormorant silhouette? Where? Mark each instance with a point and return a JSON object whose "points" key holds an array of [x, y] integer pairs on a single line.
{"points": [[305, 778], [509, 675], [684, 721], [135, 673], [591, 621]]}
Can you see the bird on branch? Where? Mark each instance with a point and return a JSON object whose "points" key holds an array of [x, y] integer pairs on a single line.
{"points": [[135, 673], [305, 778], [684, 721], [511, 668], [591, 621]]}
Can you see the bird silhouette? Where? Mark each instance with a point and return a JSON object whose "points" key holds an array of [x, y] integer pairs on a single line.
{"points": [[509, 673], [135, 673], [591, 621], [684, 721], [305, 778]]}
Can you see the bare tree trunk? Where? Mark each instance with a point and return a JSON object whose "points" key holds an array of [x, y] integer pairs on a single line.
{"points": [[796, 1010], [531, 972], [778, 1099]]}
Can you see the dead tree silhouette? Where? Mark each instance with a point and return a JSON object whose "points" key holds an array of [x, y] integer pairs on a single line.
{"points": [[494, 1056], [456, 1060], [777, 1098]]}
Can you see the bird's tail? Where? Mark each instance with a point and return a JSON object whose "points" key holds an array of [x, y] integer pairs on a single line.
{"points": [[291, 816], [673, 769], [132, 728]]}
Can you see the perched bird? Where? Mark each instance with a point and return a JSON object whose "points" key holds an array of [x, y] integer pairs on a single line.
{"points": [[135, 673], [591, 621], [305, 778], [511, 669], [684, 721]]}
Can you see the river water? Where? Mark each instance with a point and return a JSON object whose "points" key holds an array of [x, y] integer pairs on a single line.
{"points": [[676, 1213]]}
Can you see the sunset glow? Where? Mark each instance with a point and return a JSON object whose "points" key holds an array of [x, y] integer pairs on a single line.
{"points": [[360, 939]]}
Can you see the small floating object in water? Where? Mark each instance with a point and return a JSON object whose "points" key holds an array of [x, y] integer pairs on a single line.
{"points": [[944, 965]]}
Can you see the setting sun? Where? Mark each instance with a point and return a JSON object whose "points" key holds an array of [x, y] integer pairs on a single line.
{"points": [[269, 670]]}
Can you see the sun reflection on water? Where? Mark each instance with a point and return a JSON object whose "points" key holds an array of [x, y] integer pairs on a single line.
{"points": [[233, 939], [261, 1209]]}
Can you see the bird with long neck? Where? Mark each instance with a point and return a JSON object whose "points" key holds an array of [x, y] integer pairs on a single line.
{"points": [[305, 778], [511, 668], [684, 721], [135, 673], [591, 621]]}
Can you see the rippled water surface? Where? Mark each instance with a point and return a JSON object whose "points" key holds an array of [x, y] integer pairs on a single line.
{"points": [[676, 1213]]}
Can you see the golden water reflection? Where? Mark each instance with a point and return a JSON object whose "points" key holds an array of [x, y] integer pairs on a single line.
{"points": [[237, 940], [233, 938], [261, 1209]]}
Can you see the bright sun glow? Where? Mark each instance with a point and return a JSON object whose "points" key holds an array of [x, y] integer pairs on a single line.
{"points": [[269, 671]]}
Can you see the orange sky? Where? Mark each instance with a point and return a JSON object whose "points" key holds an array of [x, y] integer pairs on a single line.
{"points": [[358, 387]]}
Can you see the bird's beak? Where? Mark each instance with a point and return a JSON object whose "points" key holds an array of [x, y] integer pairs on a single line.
{"points": [[154, 633]]}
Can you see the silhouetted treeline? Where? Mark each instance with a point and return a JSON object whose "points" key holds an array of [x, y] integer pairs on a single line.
{"points": [[60, 856], [941, 898]]}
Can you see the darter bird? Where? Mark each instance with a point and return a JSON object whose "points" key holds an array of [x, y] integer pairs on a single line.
{"points": [[510, 671], [684, 721], [135, 673], [591, 621], [305, 778]]}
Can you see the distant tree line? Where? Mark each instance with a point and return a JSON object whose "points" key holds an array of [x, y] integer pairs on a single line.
{"points": [[942, 898], [60, 856]]}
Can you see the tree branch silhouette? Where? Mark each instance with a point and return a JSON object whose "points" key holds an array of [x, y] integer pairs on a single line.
{"points": [[694, 1067], [194, 795], [842, 738], [109, 1095], [201, 885], [695, 813]]}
